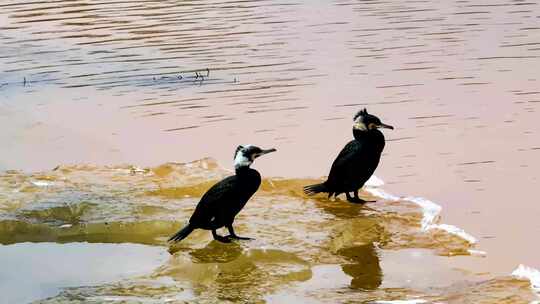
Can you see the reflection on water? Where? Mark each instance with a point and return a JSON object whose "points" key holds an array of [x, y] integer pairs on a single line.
{"points": [[216, 252], [234, 274], [364, 266], [365, 252], [35, 271]]}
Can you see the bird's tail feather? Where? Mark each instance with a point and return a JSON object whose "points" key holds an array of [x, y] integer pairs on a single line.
{"points": [[182, 234], [314, 189]]}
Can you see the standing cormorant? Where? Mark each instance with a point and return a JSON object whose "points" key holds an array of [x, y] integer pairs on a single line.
{"points": [[357, 161], [222, 202]]}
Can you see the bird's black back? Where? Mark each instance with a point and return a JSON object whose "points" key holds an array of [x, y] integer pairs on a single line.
{"points": [[356, 162], [222, 202]]}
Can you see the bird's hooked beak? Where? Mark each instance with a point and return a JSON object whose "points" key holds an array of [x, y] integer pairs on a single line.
{"points": [[385, 126], [263, 152]]}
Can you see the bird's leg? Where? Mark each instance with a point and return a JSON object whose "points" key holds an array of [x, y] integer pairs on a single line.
{"points": [[219, 238], [349, 197], [361, 200], [355, 199], [233, 235]]}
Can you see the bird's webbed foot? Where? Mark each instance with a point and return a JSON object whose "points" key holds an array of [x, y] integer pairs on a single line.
{"points": [[354, 199], [233, 235], [241, 238], [222, 239]]}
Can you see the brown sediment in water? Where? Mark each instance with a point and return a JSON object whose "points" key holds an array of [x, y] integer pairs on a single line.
{"points": [[297, 239], [89, 202]]}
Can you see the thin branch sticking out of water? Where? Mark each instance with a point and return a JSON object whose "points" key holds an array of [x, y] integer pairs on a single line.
{"points": [[198, 76]]}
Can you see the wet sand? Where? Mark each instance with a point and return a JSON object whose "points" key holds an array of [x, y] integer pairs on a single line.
{"points": [[116, 82]]}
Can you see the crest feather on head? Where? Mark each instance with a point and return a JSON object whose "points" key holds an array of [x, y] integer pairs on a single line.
{"points": [[360, 113]]}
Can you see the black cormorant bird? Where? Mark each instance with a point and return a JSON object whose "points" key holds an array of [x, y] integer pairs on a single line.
{"points": [[357, 160], [222, 202]]}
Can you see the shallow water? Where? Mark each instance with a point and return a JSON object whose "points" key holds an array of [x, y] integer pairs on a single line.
{"points": [[149, 82], [32, 271], [379, 251]]}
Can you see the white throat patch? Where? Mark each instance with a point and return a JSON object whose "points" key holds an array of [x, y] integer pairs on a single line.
{"points": [[240, 160], [359, 124]]}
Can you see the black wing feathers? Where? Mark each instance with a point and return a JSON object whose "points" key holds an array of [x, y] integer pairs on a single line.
{"points": [[213, 200], [350, 155]]}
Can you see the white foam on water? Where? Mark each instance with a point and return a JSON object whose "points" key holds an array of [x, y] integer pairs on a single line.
{"points": [[455, 231], [40, 183], [135, 170], [531, 274], [382, 194], [374, 181], [431, 211], [479, 253]]}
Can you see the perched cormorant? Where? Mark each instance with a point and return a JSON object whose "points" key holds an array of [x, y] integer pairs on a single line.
{"points": [[357, 161], [222, 202]]}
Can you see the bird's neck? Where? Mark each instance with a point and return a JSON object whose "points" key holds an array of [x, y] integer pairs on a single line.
{"points": [[242, 170], [360, 134], [363, 134], [249, 176]]}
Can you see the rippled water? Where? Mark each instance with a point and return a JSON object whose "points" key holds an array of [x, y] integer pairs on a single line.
{"points": [[149, 82]]}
